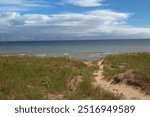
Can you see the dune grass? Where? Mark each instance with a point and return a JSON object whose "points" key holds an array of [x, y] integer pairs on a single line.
{"points": [[138, 63], [24, 77]]}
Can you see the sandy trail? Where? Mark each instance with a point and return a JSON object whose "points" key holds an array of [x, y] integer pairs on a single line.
{"points": [[125, 91]]}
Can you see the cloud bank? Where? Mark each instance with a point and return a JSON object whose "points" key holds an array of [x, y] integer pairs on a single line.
{"points": [[96, 24]]}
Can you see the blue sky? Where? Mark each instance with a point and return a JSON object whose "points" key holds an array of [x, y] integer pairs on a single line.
{"points": [[74, 19]]}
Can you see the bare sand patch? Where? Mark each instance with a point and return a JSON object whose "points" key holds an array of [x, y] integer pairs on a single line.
{"points": [[121, 89]]}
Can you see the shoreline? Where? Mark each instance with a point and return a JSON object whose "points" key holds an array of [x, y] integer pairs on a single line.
{"points": [[87, 56], [84, 56]]}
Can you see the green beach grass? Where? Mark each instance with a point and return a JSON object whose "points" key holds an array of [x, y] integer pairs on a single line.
{"points": [[35, 78], [131, 68]]}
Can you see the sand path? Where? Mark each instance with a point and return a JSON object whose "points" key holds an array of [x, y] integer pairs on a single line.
{"points": [[125, 91]]}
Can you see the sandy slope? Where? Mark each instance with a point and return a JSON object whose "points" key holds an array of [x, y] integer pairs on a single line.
{"points": [[125, 91]]}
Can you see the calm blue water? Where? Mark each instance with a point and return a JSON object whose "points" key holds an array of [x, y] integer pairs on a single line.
{"points": [[91, 49]]}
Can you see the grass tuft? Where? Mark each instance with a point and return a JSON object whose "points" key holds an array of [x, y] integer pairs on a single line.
{"points": [[24, 77]]}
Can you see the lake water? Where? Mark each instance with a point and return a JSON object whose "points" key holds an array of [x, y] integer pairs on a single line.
{"points": [[83, 49]]}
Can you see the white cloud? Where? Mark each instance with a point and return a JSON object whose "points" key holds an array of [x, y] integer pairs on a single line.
{"points": [[92, 18], [85, 3], [21, 5], [92, 24]]}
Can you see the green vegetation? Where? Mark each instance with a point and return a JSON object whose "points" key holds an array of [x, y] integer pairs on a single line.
{"points": [[24, 77], [132, 68]]}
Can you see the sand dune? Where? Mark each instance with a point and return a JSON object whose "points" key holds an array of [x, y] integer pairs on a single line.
{"points": [[123, 90]]}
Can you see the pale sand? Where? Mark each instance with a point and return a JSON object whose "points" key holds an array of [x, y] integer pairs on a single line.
{"points": [[123, 90]]}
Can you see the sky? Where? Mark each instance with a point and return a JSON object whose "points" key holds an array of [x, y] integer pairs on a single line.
{"points": [[74, 19]]}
